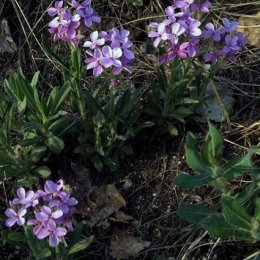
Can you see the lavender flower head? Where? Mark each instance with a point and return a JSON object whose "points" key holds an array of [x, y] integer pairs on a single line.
{"points": [[180, 35], [110, 49], [52, 209], [67, 21]]}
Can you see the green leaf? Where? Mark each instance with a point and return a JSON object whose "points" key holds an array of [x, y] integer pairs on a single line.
{"points": [[186, 181], [217, 226], [172, 130], [181, 113], [43, 171], [17, 237], [30, 141], [236, 215], [195, 213], [98, 163], [193, 157], [93, 104], [35, 79], [37, 153], [79, 246], [55, 143], [213, 147], [57, 97]]}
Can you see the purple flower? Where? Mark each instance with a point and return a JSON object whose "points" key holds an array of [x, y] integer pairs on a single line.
{"points": [[111, 56], [126, 52], [242, 40], [202, 7], [211, 32], [14, 217], [95, 62], [89, 16], [85, 4], [231, 44], [160, 35], [229, 26], [177, 30], [212, 56], [46, 214], [64, 202], [124, 66], [192, 27], [193, 48], [173, 13], [56, 9], [177, 51], [51, 189], [120, 37], [37, 223], [53, 232], [27, 199], [94, 41], [183, 4]]}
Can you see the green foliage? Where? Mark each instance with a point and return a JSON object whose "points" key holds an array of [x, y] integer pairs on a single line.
{"points": [[31, 126], [176, 93], [112, 122], [40, 249], [237, 214], [208, 163]]}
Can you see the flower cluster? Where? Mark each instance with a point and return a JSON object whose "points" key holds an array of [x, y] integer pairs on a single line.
{"points": [[226, 37], [109, 49], [52, 210], [179, 32], [68, 21]]}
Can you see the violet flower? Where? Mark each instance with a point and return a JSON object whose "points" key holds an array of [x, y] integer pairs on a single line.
{"points": [[84, 4], [53, 232], [111, 56], [52, 11], [183, 4], [94, 41], [193, 48], [160, 35], [46, 214], [64, 202], [28, 199], [229, 26], [89, 16], [202, 7], [95, 62], [178, 51], [211, 32], [231, 44], [173, 13], [14, 217], [124, 66], [121, 37]]}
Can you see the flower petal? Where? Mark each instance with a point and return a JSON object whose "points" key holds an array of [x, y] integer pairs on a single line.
{"points": [[21, 193]]}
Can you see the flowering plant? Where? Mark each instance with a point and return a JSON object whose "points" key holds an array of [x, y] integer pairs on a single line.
{"points": [[184, 49], [52, 209], [49, 212], [104, 49]]}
